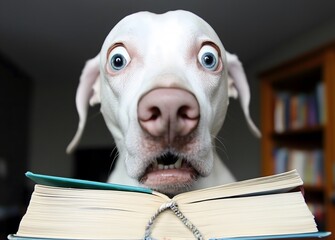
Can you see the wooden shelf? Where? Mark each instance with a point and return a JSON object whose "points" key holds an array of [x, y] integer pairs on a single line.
{"points": [[305, 131], [301, 77], [304, 138]]}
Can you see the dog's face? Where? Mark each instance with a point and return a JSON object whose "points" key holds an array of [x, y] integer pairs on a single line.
{"points": [[163, 89], [172, 57]]}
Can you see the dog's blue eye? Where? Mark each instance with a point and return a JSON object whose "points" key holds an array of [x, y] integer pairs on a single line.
{"points": [[118, 58], [209, 57], [118, 62], [208, 60]]}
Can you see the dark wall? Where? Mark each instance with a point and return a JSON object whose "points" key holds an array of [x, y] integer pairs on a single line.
{"points": [[15, 92]]}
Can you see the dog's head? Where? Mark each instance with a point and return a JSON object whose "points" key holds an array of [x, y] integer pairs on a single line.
{"points": [[162, 82]]}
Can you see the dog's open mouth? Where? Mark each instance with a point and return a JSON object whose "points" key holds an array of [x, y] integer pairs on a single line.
{"points": [[169, 171]]}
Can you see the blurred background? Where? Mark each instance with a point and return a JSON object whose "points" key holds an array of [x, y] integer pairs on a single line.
{"points": [[44, 45]]}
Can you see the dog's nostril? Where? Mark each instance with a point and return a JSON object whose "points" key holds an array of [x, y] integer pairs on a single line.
{"points": [[185, 112], [182, 112], [155, 113]]}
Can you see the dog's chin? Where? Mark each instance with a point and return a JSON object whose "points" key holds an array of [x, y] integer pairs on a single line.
{"points": [[170, 178]]}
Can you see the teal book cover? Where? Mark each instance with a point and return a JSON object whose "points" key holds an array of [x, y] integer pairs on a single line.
{"points": [[84, 184]]}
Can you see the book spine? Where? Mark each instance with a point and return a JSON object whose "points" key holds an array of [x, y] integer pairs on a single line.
{"points": [[321, 102], [281, 115]]}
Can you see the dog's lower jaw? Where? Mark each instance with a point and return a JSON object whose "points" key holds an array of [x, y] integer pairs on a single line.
{"points": [[170, 181], [219, 174]]}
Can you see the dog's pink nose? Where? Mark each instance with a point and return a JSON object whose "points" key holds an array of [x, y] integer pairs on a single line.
{"points": [[168, 113]]}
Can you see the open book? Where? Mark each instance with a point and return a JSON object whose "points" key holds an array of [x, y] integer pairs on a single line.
{"points": [[270, 207]]}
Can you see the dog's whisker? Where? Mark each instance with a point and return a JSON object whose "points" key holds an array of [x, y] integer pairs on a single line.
{"points": [[220, 141], [114, 158], [221, 146]]}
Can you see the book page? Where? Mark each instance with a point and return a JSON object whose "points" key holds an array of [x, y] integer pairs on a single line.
{"points": [[73, 213], [251, 216], [263, 185]]}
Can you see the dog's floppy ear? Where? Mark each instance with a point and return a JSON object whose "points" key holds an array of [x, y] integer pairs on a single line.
{"points": [[238, 87], [88, 92]]}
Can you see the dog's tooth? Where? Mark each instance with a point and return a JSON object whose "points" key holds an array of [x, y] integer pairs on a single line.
{"points": [[166, 166], [178, 163], [171, 166], [160, 166]]}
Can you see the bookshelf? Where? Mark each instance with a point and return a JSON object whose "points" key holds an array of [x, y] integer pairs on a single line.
{"points": [[298, 126]]}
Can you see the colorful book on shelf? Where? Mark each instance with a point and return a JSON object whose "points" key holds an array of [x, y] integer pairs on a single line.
{"points": [[281, 114], [269, 207], [308, 163], [294, 111], [321, 103]]}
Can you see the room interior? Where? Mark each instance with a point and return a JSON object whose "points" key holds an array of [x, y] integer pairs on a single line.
{"points": [[44, 46]]}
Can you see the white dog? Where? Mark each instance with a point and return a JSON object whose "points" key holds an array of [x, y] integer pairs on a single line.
{"points": [[162, 82]]}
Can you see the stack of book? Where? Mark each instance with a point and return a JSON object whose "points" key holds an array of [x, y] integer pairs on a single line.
{"points": [[271, 207]]}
